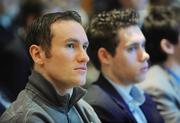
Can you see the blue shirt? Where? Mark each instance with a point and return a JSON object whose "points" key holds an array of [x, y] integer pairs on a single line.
{"points": [[133, 98]]}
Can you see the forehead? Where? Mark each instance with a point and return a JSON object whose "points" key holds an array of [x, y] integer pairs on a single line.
{"points": [[68, 29], [131, 34]]}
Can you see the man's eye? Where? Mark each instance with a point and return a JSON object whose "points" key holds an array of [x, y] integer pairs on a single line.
{"points": [[85, 47], [143, 46], [131, 49], [70, 45]]}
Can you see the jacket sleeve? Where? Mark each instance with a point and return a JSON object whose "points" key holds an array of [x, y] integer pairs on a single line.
{"points": [[166, 103], [22, 117], [35, 119], [87, 112]]}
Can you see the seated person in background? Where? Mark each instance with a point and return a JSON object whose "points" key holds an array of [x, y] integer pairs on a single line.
{"points": [[57, 46], [117, 51], [14, 63], [162, 32], [14, 68]]}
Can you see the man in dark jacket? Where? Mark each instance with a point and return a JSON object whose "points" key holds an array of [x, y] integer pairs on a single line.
{"points": [[57, 46], [117, 51]]}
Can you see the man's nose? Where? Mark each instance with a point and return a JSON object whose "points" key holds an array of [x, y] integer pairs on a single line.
{"points": [[83, 56], [144, 55]]}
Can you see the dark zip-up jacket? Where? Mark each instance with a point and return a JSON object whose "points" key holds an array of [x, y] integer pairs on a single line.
{"points": [[40, 103]]}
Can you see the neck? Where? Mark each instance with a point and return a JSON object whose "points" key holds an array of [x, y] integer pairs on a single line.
{"points": [[60, 88], [173, 65], [64, 92], [108, 73]]}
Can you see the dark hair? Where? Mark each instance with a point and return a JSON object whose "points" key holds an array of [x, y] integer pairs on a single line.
{"points": [[29, 8], [39, 32], [104, 5], [161, 23], [163, 2], [103, 30]]}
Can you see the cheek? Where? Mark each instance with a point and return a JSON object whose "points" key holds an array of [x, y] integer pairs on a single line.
{"points": [[120, 64], [128, 64], [63, 58], [126, 60], [59, 63]]}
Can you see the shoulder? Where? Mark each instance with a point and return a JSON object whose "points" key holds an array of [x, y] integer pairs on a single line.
{"points": [[155, 78], [87, 110], [23, 110], [103, 103], [106, 108], [156, 73], [95, 90], [84, 105], [96, 96]]}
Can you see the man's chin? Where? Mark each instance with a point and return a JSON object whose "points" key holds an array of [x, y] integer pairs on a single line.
{"points": [[81, 82], [141, 79]]}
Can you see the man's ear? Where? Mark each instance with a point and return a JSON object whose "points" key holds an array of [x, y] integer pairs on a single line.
{"points": [[167, 47], [37, 54], [104, 56]]}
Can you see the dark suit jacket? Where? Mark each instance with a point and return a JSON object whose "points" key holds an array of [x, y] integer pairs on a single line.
{"points": [[111, 108]]}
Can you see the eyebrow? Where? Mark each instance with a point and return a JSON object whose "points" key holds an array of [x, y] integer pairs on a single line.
{"points": [[136, 43], [77, 41]]}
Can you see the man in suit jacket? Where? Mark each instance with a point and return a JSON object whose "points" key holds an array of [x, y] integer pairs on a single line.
{"points": [[117, 51], [162, 31]]}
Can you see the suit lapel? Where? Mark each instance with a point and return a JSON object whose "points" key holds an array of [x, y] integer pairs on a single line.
{"points": [[113, 94], [150, 111]]}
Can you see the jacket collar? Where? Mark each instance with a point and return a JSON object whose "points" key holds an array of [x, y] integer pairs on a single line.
{"points": [[45, 90]]}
